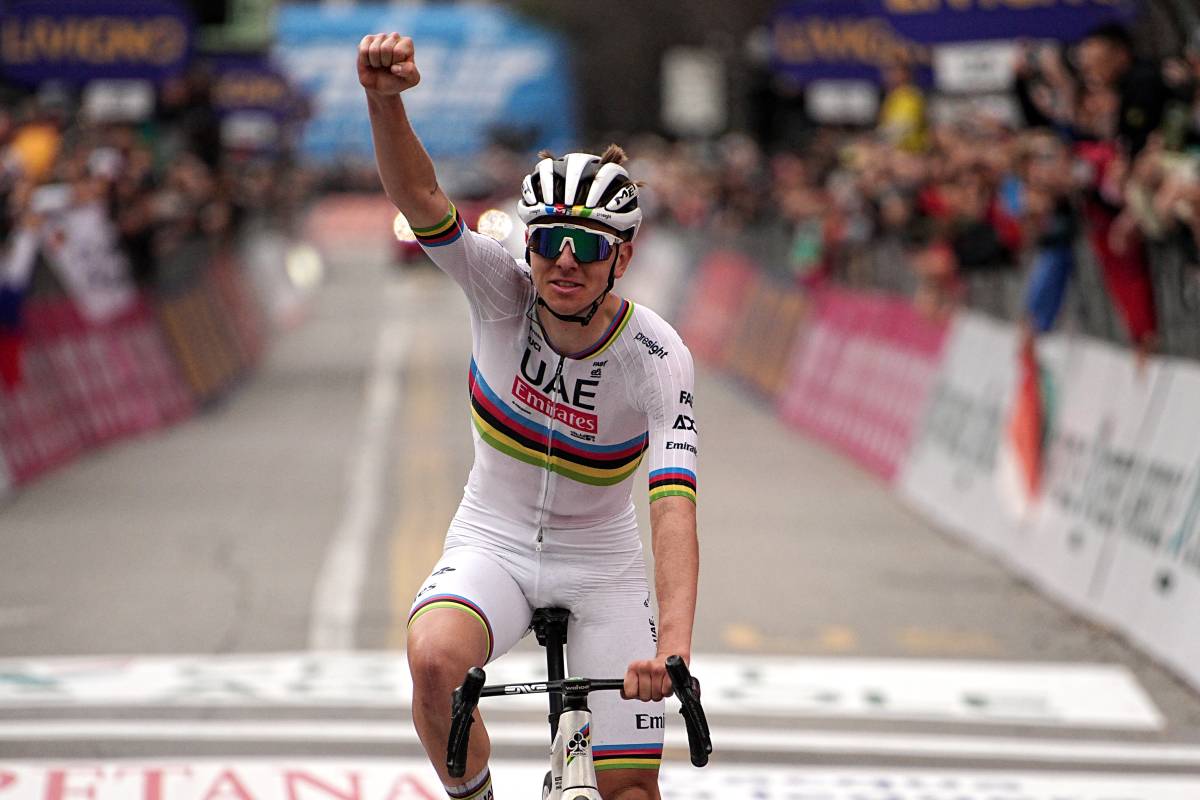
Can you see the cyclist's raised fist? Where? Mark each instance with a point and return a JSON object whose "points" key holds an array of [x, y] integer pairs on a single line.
{"points": [[386, 63]]}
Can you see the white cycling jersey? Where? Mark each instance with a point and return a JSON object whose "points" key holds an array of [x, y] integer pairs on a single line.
{"points": [[547, 517], [558, 436]]}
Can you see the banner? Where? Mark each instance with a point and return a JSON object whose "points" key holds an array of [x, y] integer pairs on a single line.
{"points": [[1152, 590], [483, 71], [840, 39], [951, 471], [1096, 433], [717, 301], [80, 244], [936, 21], [861, 373], [847, 39], [82, 40]]}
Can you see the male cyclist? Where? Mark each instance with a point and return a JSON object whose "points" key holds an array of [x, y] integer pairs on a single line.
{"points": [[571, 386]]}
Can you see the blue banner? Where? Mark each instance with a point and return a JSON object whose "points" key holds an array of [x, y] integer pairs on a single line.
{"points": [[854, 38], [482, 69], [253, 83], [941, 21], [81, 40], [839, 39]]}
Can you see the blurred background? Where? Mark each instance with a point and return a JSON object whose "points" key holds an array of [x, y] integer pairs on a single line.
{"points": [[938, 262]]}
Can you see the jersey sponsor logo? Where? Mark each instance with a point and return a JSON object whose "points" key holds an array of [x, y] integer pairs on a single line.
{"points": [[685, 398], [581, 394], [650, 722], [652, 347], [684, 423], [682, 446], [583, 437], [579, 420], [598, 367]]}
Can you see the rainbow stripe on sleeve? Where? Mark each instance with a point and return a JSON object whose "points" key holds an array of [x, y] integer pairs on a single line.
{"points": [[672, 481], [627, 756], [448, 231]]}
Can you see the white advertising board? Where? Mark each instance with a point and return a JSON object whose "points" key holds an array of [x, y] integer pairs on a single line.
{"points": [[950, 471], [1152, 591], [1097, 426]]}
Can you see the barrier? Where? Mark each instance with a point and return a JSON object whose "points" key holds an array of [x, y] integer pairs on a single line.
{"points": [[723, 282], [84, 383], [860, 375], [1152, 588]]}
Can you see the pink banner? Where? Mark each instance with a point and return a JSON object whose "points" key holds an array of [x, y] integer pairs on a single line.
{"points": [[860, 374], [714, 309], [83, 385]]}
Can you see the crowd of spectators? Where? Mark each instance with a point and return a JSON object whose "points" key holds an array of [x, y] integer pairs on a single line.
{"points": [[1102, 150], [164, 179]]}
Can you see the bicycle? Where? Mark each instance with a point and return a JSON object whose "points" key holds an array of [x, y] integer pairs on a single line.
{"points": [[571, 766]]}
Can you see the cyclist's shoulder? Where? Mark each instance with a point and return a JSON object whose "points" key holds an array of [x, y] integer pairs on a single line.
{"points": [[653, 336]]}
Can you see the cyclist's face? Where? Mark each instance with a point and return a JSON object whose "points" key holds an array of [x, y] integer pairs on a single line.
{"points": [[570, 286]]}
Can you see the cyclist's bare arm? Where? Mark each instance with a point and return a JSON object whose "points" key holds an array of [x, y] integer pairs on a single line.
{"points": [[676, 573], [386, 68]]}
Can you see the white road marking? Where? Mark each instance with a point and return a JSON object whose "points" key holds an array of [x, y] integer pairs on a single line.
{"points": [[339, 585], [412, 779], [725, 739], [1058, 695]]}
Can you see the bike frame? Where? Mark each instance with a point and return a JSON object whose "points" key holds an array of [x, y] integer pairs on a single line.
{"points": [[572, 773]]}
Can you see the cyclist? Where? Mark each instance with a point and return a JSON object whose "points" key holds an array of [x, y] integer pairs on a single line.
{"points": [[570, 387]]}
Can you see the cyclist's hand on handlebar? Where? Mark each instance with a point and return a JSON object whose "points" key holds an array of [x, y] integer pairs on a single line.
{"points": [[386, 63], [648, 680]]}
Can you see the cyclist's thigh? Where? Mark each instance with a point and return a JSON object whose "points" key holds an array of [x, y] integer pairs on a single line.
{"points": [[611, 625], [479, 585]]}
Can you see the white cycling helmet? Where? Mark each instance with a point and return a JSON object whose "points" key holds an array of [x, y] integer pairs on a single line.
{"points": [[583, 186]]}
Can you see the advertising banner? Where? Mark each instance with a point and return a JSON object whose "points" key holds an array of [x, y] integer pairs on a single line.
{"points": [[846, 39], [860, 375], [1152, 590], [935, 21], [82, 40], [950, 473], [1096, 431], [80, 244], [483, 71], [840, 40], [719, 294]]}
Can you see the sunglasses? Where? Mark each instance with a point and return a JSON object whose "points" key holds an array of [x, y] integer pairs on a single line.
{"points": [[586, 244]]}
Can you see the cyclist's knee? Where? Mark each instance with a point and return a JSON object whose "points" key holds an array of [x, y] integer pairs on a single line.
{"points": [[442, 645], [628, 785]]}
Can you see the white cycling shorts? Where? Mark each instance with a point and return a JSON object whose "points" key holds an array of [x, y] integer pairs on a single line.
{"points": [[611, 624]]}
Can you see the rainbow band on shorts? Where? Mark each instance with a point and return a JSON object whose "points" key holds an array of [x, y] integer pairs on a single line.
{"points": [[627, 756], [460, 603]]}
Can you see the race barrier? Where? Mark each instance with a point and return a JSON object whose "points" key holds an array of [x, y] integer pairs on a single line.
{"points": [[86, 381], [1066, 459], [860, 372]]}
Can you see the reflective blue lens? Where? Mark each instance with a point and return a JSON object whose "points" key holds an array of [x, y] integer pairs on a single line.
{"points": [[585, 245]]}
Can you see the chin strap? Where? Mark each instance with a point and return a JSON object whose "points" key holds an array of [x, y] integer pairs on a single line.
{"points": [[584, 319]]}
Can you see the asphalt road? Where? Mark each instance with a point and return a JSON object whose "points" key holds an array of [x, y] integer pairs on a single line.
{"points": [[232, 593]]}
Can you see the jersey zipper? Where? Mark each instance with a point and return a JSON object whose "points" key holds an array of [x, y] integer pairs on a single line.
{"points": [[554, 384]]}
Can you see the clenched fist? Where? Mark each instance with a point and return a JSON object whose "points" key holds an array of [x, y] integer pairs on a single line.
{"points": [[386, 65]]}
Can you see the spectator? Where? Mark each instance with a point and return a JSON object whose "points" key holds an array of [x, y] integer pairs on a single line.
{"points": [[902, 112]]}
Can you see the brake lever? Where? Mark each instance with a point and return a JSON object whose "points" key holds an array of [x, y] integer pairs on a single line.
{"points": [[462, 709], [687, 689]]}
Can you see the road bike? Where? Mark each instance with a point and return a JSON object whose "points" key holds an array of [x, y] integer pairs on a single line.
{"points": [[572, 774]]}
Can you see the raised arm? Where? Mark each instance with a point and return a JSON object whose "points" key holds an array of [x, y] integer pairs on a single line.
{"points": [[387, 68]]}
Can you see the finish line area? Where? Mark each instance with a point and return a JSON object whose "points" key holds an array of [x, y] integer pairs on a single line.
{"points": [[411, 779]]}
